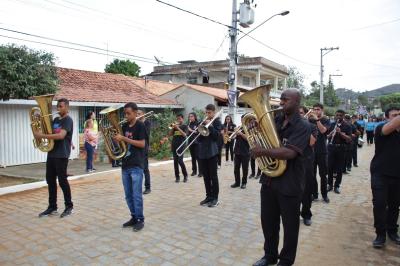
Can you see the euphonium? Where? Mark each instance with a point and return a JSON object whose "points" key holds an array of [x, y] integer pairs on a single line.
{"points": [[116, 150], [41, 120], [265, 134]]}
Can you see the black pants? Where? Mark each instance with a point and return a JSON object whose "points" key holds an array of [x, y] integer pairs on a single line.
{"points": [[308, 191], [178, 161], [146, 172], [274, 205], [347, 157], [57, 167], [354, 153], [336, 157], [320, 162], [210, 175], [219, 158], [193, 154], [253, 167], [370, 137], [386, 201], [241, 161], [229, 148]]}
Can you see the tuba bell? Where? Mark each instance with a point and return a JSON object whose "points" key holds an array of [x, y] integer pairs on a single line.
{"points": [[42, 121], [265, 134], [116, 150]]}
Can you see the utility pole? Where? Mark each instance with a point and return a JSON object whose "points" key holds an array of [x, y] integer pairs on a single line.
{"points": [[321, 86], [232, 99]]}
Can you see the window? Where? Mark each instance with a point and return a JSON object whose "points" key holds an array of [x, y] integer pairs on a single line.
{"points": [[192, 80], [246, 81]]}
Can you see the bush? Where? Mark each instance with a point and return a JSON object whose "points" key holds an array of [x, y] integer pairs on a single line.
{"points": [[160, 124]]}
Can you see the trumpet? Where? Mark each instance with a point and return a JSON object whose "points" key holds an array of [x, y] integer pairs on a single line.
{"points": [[200, 130], [235, 132], [172, 125], [146, 115]]}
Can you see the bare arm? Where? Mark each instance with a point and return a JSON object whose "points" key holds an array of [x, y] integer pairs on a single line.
{"points": [[391, 126], [321, 127], [312, 140], [56, 136], [281, 153], [136, 143]]}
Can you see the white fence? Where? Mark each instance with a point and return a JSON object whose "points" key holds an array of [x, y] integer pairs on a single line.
{"points": [[16, 146]]}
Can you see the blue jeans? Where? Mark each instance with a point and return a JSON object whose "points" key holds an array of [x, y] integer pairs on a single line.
{"points": [[132, 179], [89, 156]]}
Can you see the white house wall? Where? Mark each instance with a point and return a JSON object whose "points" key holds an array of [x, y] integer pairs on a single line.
{"points": [[16, 146], [190, 98]]}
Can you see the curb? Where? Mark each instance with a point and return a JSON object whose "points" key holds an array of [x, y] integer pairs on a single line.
{"points": [[40, 184]]}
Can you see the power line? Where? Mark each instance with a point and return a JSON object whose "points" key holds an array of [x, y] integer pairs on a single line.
{"points": [[192, 13], [77, 44], [377, 25], [75, 49]]}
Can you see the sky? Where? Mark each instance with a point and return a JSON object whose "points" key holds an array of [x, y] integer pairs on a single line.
{"points": [[367, 33]]}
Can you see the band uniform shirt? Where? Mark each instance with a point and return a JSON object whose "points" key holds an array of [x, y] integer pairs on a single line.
{"points": [[295, 135], [242, 146], [134, 156], [387, 153], [309, 151], [345, 128], [62, 147], [320, 144], [208, 145], [229, 127], [177, 137], [147, 127], [193, 126]]}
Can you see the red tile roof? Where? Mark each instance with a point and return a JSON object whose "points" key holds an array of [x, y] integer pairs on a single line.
{"points": [[88, 86], [155, 86]]}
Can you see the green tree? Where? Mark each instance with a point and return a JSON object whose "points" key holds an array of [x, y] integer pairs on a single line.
{"points": [[126, 67], [295, 79], [25, 72], [390, 100], [362, 99]]}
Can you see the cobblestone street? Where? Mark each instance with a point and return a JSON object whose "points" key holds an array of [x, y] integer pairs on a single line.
{"points": [[180, 232]]}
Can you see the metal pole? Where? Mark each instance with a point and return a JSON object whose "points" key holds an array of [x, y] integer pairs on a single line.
{"points": [[321, 84], [232, 79]]}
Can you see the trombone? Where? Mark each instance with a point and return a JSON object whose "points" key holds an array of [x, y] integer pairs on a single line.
{"points": [[146, 115], [199, 130], [235, 132]]}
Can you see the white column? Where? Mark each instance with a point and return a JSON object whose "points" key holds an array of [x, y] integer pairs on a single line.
{"points": [[258, 77], [276, 83], [285, 83]]}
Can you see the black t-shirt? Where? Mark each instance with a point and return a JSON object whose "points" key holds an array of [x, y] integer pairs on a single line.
{"points": [[387, 153], [62, 147], [177, 137], [241, 146], [134, 156], [320, 145], [345, 128], [192, 126], [208, 145], [309, 151], [229, 127], [147, 126], [295, 136]]}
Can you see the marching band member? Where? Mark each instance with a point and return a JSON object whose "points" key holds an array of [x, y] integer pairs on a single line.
{"points": [[229, 127], [57, 159], [134, 135], [192, 125], [208, 157], [385, 178], [242, 158], [146, 171], [339, 135], [281, 196], [178, 133]]}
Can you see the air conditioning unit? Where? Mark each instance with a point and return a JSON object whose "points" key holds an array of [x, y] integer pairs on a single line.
{"points": [[246, 15]]}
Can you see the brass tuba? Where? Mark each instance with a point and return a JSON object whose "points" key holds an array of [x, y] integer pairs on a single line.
{"points": [[116, 150], [264, 134], [42, 121]]}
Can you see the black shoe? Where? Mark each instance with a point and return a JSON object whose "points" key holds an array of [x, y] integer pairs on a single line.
{"points": [[326, 199], [355, 165], [348, 169], [243, 186], [185, 179], [307, 222], [257, 176], [138, 225], [234, 185], [395, 238], [329, 188], [147, 191], [345, 173], [379, 241], [193, 174], [205, 201], [251, 176], [314, 197], [66, 212], [264, 262], [213, 203], [48, 212], [177, 180], [337, 190], [130, 223], [200, 175]]}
